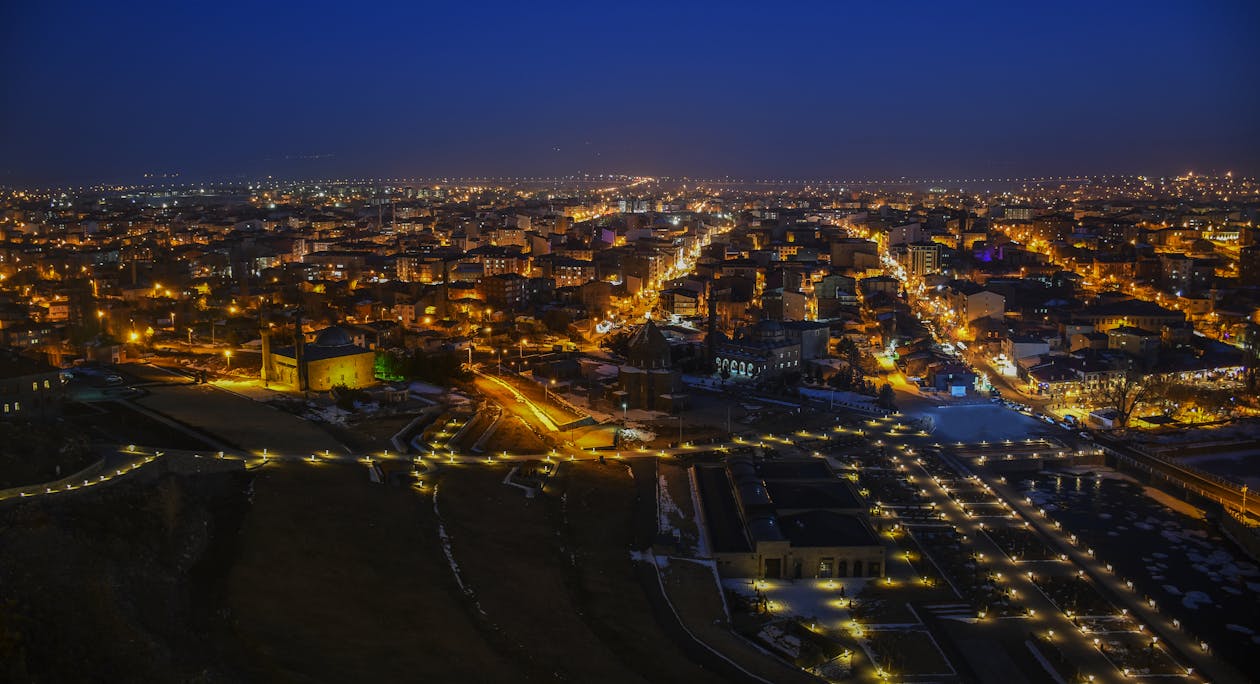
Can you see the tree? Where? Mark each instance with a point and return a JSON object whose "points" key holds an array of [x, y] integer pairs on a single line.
{"points": [[1177, 399], [1251, 347], [887, 397], [1126, 392], [848, 350], [390, 365]]}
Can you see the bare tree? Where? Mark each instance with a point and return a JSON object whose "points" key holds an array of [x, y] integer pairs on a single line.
{"points": [[1251, 347], [1125, 392]]}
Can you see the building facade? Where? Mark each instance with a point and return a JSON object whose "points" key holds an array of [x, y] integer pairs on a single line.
{"points": [[29, 389], [332, 360]]}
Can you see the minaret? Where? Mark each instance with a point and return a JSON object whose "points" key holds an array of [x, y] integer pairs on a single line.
{"points": [[266, 357], [711, 339], [445, 308], [962, 229], [265, 334], [298, 342]]}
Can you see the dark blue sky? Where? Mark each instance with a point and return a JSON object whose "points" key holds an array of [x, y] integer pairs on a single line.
{"points": [[111, 90]]}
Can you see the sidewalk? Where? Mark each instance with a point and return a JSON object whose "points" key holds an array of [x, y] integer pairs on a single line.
{"points": [[253, 389]]}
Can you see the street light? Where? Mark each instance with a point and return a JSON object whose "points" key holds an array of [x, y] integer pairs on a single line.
{"points": [[227, 353]]}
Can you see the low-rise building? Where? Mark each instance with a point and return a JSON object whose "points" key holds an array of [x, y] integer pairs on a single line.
{"points": [[332, 360], [1142, 345], [29, 389], [972, 302], [680, 302], [762, 352], [1129, 312], [786, 519]]}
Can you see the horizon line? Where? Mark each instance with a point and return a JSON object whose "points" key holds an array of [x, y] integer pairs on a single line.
{"points": [[113, 186]]}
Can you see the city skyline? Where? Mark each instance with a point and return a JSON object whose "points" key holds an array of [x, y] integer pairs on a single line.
{"points": [[804, 343], [981, 90]]}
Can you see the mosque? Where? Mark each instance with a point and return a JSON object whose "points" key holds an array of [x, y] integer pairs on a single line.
{"points": [[332, 359], [761, 352], [648, 381]]}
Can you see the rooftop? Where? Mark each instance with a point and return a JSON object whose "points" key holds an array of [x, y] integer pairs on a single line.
{"points": [[827, 528]]}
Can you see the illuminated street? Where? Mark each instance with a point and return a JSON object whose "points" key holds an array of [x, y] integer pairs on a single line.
{"points": [[630, 343]]}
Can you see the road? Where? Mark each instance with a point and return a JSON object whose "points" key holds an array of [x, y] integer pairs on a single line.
{"points": [[513, 401], [1227, 493]]}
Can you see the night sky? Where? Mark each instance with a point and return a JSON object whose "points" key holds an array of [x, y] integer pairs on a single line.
{"points": [[113, 90]]}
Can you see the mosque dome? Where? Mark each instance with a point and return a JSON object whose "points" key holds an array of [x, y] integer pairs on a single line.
{"points": [[333, 337], [767, 330], [768, 326]]}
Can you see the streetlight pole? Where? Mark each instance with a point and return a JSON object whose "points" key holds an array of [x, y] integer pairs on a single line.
{"points": [[228, 354]]}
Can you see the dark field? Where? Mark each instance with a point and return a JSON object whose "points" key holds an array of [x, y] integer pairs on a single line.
{"points": [[309, 572]]}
